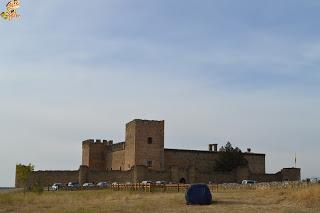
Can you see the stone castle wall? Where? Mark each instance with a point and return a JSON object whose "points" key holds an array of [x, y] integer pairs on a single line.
{"points": [[130, 148], [115, 160], [47, 178], [256, 162], [204, 161], [109, 176], [291, 174]]}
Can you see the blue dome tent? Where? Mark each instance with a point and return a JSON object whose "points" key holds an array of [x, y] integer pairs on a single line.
{"points": [[198, 194]]}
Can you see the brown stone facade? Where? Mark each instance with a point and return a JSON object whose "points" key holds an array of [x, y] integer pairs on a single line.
{"points": [[142, 156]]}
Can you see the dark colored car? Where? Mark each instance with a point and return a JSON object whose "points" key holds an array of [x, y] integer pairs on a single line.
{"points": [[74, 185]]}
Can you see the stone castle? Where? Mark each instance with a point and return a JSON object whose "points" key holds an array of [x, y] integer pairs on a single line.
{"points": [[142, 156]]}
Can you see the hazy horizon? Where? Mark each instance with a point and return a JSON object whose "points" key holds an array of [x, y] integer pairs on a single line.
{"points": [[216, 71]]}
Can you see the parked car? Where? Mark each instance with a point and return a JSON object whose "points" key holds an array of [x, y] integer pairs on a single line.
{"points": [[103, 185], [145, 182], [249, 182], [73, 185], [56, 186], [161, 182], [114, 184], [88, 185]]}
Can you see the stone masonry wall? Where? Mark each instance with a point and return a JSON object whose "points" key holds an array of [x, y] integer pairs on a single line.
{"points": [[291, 174], [47, 178], [110, 176], [129, 159], [204, 161], [256, 162], [116, 160]]}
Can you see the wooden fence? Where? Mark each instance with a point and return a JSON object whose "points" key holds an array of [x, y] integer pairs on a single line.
{"points": [[156, 188]]}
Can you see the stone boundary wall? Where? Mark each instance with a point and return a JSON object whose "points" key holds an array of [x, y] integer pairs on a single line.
{"points": [[204, 161], [286, 174], [47, 178], [110, 176], [263, 185], [266, 177]]}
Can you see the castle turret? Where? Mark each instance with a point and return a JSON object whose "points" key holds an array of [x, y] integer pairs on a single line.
{"points": [[94, 154]]}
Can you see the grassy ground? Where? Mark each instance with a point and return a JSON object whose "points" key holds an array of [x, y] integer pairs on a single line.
{"points": [[303, 200]]}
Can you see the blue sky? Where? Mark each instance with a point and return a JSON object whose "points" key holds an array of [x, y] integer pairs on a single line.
{"points": [[244, 71]]}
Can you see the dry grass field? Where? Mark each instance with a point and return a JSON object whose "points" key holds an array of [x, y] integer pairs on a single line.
{"points": [[290, 200]]}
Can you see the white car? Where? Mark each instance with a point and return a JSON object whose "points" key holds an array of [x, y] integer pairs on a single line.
{"points": [[88, 185], [249, 182], [145, 182], [56, 186], [102, 185], [161, 182]]}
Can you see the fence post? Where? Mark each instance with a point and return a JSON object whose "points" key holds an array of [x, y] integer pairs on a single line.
{"points": [[178, 188]]}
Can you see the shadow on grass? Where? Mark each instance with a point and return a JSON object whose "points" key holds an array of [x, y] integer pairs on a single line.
{"points": [[220, 203], [227, 202]]}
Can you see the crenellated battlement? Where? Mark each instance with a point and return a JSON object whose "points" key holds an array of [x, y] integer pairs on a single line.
{"points": [[97, 141], [116, 147]]}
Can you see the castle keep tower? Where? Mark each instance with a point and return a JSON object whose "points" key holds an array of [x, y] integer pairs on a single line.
{"points": [[144, 144]]}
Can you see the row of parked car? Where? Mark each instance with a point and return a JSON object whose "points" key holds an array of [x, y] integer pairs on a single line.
{"points": [[76, 185]]}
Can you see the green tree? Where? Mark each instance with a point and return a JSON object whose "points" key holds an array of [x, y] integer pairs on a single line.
{"points": [[229, 158], [23, 173]]}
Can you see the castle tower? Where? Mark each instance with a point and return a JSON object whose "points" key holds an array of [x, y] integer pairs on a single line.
{"points": [[144, 144], [94, 154]]}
